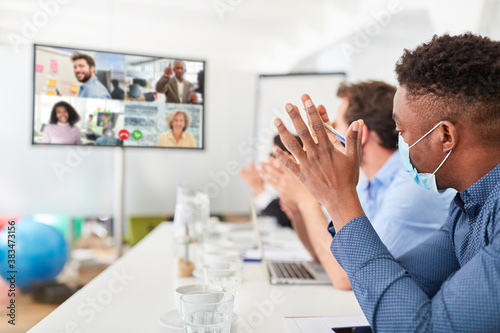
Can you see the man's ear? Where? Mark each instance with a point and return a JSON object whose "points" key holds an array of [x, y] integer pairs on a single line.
{"points": [[366, 134], [449, 135]]}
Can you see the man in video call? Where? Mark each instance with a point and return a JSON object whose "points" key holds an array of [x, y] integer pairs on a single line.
{"points": [[84, 68], [178, 89], [447, 115]]}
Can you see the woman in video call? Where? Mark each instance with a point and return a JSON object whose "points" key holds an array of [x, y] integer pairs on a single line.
{"points": [[177, 120], [61, 129]]}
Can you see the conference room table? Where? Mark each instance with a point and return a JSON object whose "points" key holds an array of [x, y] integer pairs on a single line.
{"points": [[132, 294]]}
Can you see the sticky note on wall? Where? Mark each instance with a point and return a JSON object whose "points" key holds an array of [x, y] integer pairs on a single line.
{"points": [[52, 83], [51, 93], [74, 89], [39, 68], [53, 65]]}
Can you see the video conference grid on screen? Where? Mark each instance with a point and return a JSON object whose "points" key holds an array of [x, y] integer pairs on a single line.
{"points": [[112, 99]]}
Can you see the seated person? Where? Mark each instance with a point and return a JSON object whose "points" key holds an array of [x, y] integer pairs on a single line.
{"points": [[388, 194], [266, 201], [61, 127], [108, 138], [447, 116], [178, 121]]}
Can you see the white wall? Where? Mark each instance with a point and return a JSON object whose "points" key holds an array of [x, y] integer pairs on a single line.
{"points": [[248, 38], [375, 41]]}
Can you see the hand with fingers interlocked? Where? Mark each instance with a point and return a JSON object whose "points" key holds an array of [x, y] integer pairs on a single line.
{"points": [[326, 169]]}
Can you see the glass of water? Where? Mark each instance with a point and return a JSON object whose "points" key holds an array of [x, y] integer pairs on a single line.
{"points": [[207, 311], [227, 275]]}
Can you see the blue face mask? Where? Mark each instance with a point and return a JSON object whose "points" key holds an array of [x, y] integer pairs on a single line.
{"points": [[425, 180]]}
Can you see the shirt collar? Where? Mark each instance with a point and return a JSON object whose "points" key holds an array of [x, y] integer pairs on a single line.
{"points": [[386, 173], [178, 82], [90, 81], [481, 190]]}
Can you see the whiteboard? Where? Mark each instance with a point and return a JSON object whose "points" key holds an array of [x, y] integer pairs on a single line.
{"points": [[275, 91]]}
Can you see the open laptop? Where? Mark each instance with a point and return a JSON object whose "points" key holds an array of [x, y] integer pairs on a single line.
{"points": [[288, 272]]}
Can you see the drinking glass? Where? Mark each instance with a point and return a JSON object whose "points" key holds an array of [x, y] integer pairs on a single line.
{"points": [[207, 312], [227, 275]]}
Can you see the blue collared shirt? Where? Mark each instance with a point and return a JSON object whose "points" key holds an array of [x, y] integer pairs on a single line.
{"points": [[449, 283], [93, 89], [393, 203]]}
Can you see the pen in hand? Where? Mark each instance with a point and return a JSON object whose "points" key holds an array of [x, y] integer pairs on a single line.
{"points": [[333, 131]]}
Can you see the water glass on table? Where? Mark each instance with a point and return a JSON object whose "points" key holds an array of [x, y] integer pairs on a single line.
{"points": [[189, 288], [207, 311], [227, 275]]}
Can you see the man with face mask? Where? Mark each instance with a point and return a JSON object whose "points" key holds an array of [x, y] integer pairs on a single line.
{"points": [[389, 197], [447, 114], [84, 68], [178, 89]]}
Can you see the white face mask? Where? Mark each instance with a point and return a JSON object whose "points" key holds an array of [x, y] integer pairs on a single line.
{"points": [[425, 180]]}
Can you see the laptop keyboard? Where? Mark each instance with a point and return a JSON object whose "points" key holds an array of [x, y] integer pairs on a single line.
{"points": [[291, 270]]}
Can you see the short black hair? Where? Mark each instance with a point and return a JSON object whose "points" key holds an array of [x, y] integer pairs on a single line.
{"points": [[457, 78], [372, 101], [73, 116]]}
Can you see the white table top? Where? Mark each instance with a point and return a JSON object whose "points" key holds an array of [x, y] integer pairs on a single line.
{"points": [[138, 288]]}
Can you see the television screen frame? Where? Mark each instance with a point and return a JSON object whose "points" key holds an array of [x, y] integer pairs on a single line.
{"points": [[139, 111]]}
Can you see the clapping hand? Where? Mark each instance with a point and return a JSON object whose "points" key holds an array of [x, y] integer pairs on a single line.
{"points": [[328, 171]]}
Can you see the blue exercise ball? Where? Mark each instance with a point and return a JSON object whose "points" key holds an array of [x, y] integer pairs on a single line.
{"points": [[40, 253]]}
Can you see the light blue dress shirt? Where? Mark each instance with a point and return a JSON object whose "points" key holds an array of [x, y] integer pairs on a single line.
{"points": [[402, 213], [449, 283], [93, 89]]}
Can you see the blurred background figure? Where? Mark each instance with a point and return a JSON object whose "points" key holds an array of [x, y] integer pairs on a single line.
{"points": [[108, 138], [266, 199], [117, 92]]}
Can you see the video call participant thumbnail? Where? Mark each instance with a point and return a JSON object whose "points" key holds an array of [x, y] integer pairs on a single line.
{"points": [[84, 69], [61, 129], [177, 90], [178, 121]]}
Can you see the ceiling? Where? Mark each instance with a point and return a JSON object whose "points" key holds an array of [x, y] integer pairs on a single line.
{"points": [[272, 34]]}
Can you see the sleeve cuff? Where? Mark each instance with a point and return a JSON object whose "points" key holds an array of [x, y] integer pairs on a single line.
{"points": [[357, 242], [331, 229]]}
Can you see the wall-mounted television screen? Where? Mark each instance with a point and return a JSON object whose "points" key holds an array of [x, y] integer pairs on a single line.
{"points": [[89, 97]]}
